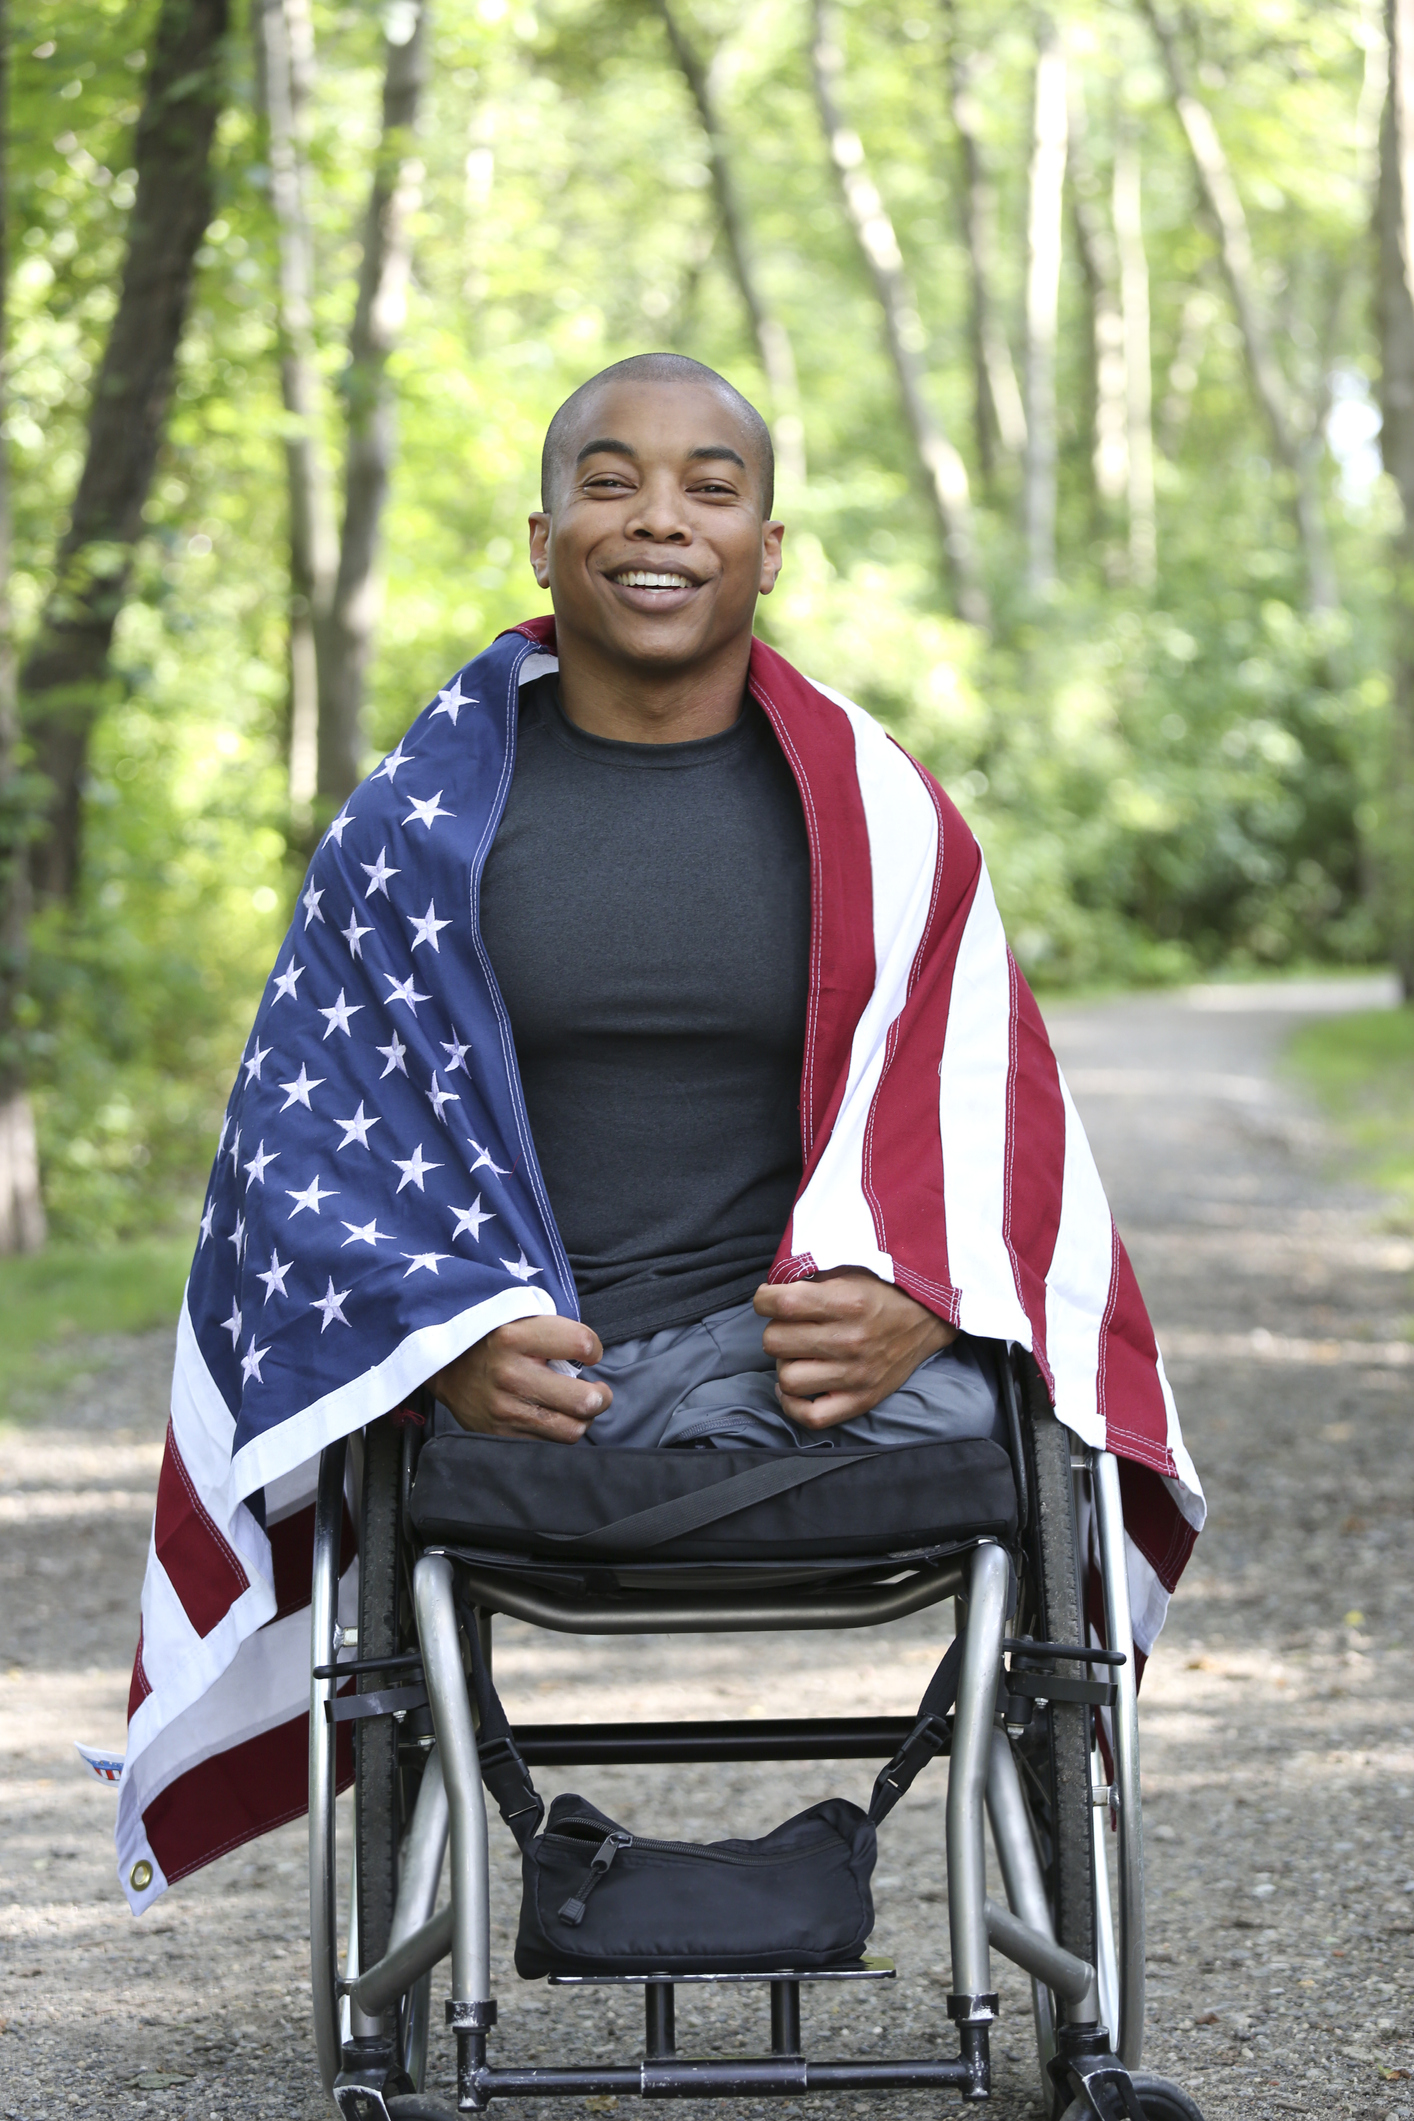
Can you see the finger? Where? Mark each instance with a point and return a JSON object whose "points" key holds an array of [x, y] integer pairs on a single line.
{"points": [[551, 1339], [519, 1377], [826, 1412], [833, 1339], [807, 1380], [521, 1418]]}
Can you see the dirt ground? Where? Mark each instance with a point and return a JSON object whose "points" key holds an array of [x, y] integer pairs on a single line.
{"points": [[1277, 1720]]}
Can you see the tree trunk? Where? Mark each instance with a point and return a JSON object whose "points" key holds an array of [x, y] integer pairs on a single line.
{"points": [[1099, 262], [943, 469], [378, 318], [21, 1207], [1138, 371], [65, 675], [284, 47], [1221, 197], [1194, 324], [772, 340], [998, 413], [1396, 317], [1043, 261]]}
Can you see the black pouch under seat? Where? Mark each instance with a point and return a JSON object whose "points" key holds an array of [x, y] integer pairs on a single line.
{"points": [[552, 1501], [597, 1899]]}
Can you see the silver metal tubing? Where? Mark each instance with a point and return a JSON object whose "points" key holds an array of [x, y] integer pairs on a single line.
{"points": [[1124, 1725], [1040, 1955], [420, 1860], [703, 1614], [967, 1770], [396, 1971], [323, 1911], [440, 1643]]}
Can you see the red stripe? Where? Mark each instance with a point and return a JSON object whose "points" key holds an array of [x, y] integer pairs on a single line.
{"points": [[1131, 1397], [201, 1567], [142, 1685], [818, 742], [1035, 1160], [1155, 1523], [250, 1789], [903, 1151], [292, 1558]]}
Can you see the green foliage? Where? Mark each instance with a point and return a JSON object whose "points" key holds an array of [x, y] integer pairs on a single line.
{"points": [[1162, 783], [1362, 1069], [72, 1294]]}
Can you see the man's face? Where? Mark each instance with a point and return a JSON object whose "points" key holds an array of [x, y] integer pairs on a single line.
{"points": [[655, 549]]}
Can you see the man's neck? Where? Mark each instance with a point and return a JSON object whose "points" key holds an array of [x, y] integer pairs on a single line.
{"points": [[636, 705]]}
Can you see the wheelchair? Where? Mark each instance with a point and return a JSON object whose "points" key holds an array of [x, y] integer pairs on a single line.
{"points": [[1042, 1746]]}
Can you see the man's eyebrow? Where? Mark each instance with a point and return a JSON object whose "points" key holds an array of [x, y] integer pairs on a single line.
{"points": [[718, 450], [607, 446]]}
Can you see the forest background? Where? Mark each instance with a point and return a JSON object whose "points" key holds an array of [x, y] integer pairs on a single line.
{"points": [[1073, 332]]}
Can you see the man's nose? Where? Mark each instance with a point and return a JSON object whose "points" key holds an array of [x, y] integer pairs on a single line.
{"points": [[659, 517]]}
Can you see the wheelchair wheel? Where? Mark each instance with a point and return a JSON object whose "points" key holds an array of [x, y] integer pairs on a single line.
{"points": [[1161, 2101], [387, 1760], [1053, 1756]]}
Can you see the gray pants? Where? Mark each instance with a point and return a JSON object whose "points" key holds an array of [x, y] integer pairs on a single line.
{"points": [[714, 1384]]}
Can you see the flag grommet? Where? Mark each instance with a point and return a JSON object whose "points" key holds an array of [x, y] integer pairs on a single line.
{"points": [[140, 1876]]}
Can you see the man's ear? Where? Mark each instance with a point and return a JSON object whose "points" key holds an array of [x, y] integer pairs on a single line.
{"points": [[772, 534], [540, 546]]}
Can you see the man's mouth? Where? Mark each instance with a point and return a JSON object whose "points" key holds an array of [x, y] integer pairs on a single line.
{"points": [[650, 578]]}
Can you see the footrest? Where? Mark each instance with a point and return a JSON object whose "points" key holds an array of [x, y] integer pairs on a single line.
{"points": [[859, 1970]]}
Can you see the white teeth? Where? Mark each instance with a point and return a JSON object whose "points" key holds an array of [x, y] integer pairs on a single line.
{"points": [[639, 578]]}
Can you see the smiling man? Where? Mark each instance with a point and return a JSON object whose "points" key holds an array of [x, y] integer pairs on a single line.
{"points": [[646, 906]]}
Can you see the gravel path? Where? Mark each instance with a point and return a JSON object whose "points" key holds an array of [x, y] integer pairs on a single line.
{"points": [[1278, 1728]]}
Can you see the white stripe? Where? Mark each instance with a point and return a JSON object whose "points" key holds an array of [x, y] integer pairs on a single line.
{"points": [[972, 1113], [1148, 1600], [538, 665], [1078, 1284], [833, 1221]]}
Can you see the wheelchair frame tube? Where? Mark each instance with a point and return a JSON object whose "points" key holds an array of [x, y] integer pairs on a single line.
{"points": [[420, 1863], [1124, 1730], [1039, 1955], [323, 1738], [440, 1642], [967, 1770], [1026, 1890]]}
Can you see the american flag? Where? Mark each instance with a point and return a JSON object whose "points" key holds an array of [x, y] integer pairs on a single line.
{"points": [[376, 1205]]}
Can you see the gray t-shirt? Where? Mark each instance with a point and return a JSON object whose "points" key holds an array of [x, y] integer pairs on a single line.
{"points": [[647, 912]]}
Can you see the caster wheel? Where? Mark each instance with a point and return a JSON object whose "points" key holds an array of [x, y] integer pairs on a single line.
{"points": [[1161, 2101]]}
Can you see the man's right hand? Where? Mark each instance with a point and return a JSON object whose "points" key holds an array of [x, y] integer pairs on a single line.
{"points": [[504, 1386]]}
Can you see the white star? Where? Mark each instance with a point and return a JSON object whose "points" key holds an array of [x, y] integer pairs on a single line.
{"points": [[424, 1259], [356, 1129], [221, 1137], [470, 1219], [353, 933], [251, 1361], [394, 1056], [414, 1169], [394, 760], [232, 1325], [205, 1224], [364, 1233], [427, 812], [451, 700], [255, 1169], [457, 1052], [521, 1268], [339, 825], [310, 903], [338, 1016], [254, 1062], [275, 1280], [331, 1304], [378, 873], [484, 1156], [287, 981], [237, 1236], [300, 1088], [425, 929], [437, 1096], [235, 1149], [404, 991], [309, 1198]]}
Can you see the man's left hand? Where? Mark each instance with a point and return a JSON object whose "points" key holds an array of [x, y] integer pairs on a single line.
{"points": [[843, 1342]]}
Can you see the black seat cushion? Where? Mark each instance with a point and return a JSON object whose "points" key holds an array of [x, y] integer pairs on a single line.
{"points": [[547, 1501]]}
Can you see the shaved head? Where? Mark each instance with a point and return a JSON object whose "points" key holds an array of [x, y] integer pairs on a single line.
{"points": [[654, 368]]}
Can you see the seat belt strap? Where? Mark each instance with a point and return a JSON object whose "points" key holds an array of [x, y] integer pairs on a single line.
{"points": [[503, 1771], [704, 1506], [925, 1741]]}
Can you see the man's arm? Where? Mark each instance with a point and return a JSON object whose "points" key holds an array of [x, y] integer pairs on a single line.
{"points": [[504, 1386], [843, 1342]]}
